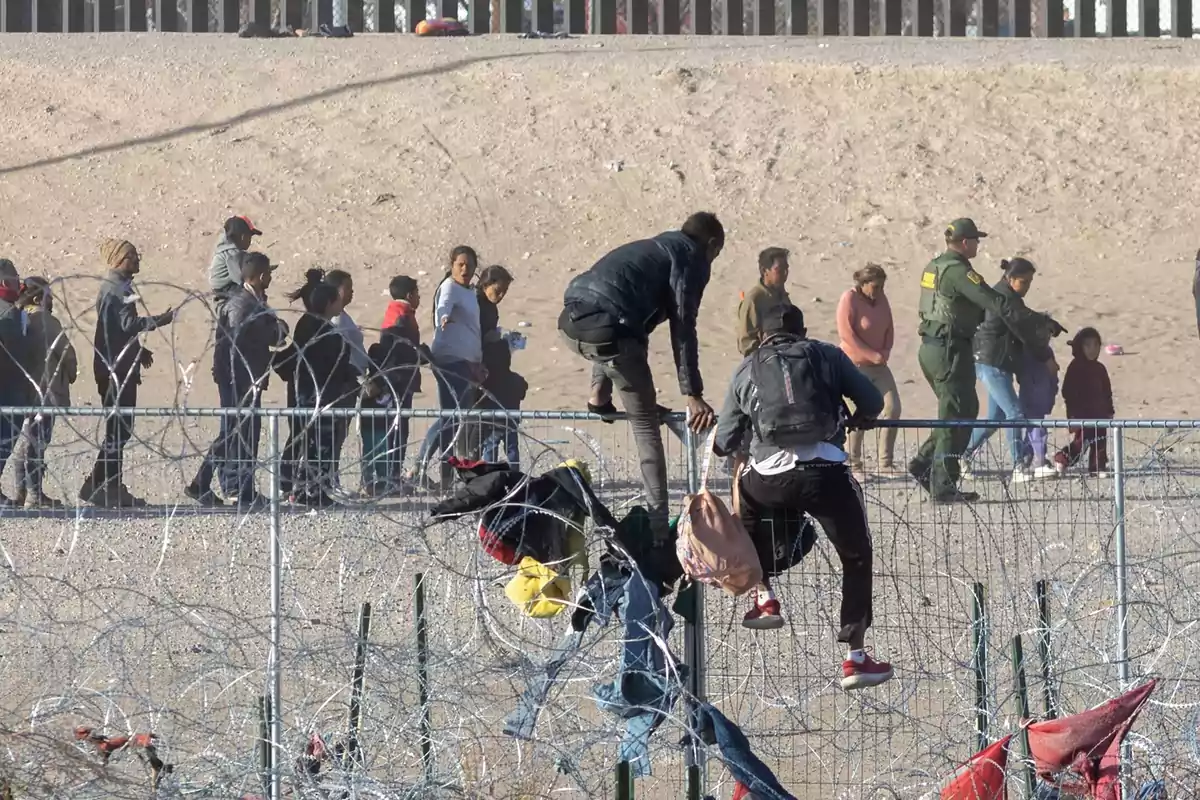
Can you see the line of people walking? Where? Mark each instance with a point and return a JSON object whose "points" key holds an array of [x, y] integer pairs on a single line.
{"points": [[325, 363], [969, 331]]}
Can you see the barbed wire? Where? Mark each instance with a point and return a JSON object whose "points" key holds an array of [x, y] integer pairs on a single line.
{"points": [[156, 620]]}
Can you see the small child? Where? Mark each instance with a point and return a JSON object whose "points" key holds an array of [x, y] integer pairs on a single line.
{"points": [[392, 379], [1088, 393], [1038, 387], [401, 311]]}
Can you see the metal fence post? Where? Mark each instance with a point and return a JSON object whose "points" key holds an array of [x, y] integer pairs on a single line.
{"points": [[693, 639], [1123, 668], [274, 683]]}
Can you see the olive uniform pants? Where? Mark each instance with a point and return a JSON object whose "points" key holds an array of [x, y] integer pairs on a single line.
{"points": [[949, 367]]}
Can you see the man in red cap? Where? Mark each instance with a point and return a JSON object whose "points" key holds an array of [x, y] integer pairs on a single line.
{"points": [[225, 272]]}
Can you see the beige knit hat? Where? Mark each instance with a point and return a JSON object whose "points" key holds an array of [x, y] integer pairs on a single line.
{"points": [[115, 251]]}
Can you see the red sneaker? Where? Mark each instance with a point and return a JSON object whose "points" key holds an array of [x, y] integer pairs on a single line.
{"points": [[869, 673], [764, 616]]}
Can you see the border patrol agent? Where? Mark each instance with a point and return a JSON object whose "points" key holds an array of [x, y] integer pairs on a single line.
{"points": [[954, 300]]}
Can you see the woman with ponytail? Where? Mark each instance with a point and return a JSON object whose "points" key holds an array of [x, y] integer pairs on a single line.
{"points": [[999, 354], [321, 375]]}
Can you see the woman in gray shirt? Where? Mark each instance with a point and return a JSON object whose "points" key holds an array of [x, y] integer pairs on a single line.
{"points": [[457, 354]]}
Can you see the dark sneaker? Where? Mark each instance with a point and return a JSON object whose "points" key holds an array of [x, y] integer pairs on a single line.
{"points": [[864, 674], [920, 474], [606, 412], [106, 496], [315, 500], [253, 505], [954, 496], [6, 502], [40, 500], [126, 498], [205, 497], [763, 617]]}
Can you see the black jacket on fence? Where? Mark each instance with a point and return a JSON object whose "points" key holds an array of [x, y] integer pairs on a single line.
{"points": [[320, 365], [637, 287], [1000, 345]]}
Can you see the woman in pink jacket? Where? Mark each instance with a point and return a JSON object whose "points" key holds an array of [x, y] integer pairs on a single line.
{"points": [[865, 331]]}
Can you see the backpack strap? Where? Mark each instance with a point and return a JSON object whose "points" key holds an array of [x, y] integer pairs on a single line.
{"points": [[706, 463]]}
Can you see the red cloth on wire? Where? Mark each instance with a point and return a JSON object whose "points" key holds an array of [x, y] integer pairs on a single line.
{"points": [[1088, 745], [983, 778]]}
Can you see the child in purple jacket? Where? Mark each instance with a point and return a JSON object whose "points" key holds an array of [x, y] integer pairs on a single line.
{"points": [[1038, 389]]}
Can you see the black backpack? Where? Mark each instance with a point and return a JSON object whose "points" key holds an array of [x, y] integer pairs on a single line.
{"points": [[794, 404]]}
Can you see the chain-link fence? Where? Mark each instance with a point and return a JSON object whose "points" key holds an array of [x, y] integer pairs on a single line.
{"points": [[377, 655]]}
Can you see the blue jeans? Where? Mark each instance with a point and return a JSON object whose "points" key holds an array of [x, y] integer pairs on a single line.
{"points": [[384, 441], [1003, 404], [455, 391]]}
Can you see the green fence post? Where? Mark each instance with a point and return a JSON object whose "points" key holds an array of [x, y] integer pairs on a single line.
{"points": [[357, 680], [979, 663], [1018, 664], [423, 676], [1043, 602], [624, 781]]}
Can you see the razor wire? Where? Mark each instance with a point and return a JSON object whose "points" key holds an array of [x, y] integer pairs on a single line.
{"points": [[132, 622]]}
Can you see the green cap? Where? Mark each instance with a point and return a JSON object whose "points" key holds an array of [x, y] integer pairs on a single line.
{"points": [[963, 228]]}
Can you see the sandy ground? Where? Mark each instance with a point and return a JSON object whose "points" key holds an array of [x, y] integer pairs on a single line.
{"points": [[378, 154]]}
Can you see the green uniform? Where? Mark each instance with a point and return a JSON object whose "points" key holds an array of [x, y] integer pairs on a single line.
{"points": [[954, 300]]}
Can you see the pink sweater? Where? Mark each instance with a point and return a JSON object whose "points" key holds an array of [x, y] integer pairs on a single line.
{"points": [[865, 329]]}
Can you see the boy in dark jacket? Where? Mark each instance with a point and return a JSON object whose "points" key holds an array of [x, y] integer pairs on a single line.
{"points": [[1087, 391], [392, 379]]}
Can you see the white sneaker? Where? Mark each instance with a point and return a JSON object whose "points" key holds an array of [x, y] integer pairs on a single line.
{"points": [[1044, 471], [1022, 475]]}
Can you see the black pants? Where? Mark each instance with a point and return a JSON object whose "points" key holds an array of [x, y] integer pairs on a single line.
{"points": [[233, 456], [31, 468], [118, 430], [834, 499]]}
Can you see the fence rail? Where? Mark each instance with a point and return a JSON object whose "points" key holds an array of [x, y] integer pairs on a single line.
{"points": [[955, 18], [220, 630]]}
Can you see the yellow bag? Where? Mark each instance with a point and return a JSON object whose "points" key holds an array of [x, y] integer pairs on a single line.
{"points": [[538, 590]]}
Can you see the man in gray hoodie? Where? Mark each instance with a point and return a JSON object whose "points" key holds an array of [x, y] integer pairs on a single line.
{"points": [[225, 272], [787, 397]]}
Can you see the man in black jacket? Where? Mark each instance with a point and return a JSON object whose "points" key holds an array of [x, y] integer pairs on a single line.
{"points": [[16, 385], [247, 329], [117, 366], [608, 315]]}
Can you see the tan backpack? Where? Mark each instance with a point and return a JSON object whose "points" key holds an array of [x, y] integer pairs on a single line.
{"points": [[713, 547]]}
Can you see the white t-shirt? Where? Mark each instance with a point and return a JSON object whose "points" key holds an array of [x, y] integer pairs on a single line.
{"points": [[354, 337], [460, 339], [786, 460]]}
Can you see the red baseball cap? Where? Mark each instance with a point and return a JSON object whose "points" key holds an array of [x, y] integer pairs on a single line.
{"points": [[241, 226]]}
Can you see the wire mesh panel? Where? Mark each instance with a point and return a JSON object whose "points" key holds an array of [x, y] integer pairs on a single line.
{"points": [[400, 658]]}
